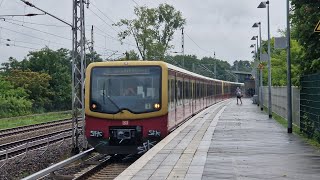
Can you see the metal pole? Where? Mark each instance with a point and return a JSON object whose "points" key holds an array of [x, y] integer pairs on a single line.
{"points": [[289, 98], [182, 45], [261, 80], [78, 69], [75, 148], [269, 64], [215, 65], [83, 68], [237, 68], [256, 71]]}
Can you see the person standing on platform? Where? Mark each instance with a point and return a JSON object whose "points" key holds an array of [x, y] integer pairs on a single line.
{"points": [[239, 94]]}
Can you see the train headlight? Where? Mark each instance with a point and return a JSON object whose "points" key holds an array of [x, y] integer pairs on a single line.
{"points": [[156, 106], [94, 106]]}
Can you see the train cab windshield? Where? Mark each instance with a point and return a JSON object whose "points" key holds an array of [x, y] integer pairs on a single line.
{"points": [[136, 89]]}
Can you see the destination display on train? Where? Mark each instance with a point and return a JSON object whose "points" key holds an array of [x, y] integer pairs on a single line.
{"points": [[126, 70]]}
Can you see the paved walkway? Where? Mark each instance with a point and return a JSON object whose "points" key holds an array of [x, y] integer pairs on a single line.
{"points": [[228, 141]]}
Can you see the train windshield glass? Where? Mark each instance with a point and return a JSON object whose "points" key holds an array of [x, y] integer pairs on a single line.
{"points": [[136, 89]]}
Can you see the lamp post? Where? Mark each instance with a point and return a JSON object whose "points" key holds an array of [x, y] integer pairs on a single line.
{"points": [[215, 65], [255, 68], [255, 25], [256, 80], [266, 4], [289, 98]]}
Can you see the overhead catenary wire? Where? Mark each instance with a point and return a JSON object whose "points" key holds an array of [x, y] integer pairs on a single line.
{"points": [[31, 36], [110, 37], [40, 24], [66, 38], [15, 45], [103, 20], [93, 4], [107, 23], [135, 2], [197, 44], [14, 40]]}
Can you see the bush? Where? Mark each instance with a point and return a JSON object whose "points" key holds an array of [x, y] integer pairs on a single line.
{"points": [[14, 106], [13, 101]]}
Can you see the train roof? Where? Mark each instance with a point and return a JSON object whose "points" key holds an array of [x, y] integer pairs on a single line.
{"points": [[170, 66]]}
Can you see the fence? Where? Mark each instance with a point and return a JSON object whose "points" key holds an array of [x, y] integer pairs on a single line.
{"points": [[310, 106], [279, 102]]}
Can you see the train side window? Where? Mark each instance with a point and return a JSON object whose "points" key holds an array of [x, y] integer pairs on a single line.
{"points": [[172, 90], [186, 90], [169, 90], [179, 91], [197, 90]]}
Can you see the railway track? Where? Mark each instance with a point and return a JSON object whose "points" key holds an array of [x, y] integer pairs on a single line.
{"points": [[23, 129], [16, 148], [108, 168]]}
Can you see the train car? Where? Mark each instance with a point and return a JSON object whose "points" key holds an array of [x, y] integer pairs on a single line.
{"points": [[132, 105]]}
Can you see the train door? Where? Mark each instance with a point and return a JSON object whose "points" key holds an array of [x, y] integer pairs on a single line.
{"points": [[215, 91], [172, 100], [190, 95], [179, 98], [222, 91], [187, 99], [207, 96], [183, 97]]}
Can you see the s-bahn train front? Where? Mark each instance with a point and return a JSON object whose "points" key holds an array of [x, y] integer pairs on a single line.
{"points": [[126, 105]]}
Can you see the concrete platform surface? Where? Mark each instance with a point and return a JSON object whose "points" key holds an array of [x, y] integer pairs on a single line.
{"points": [[228, 141]]}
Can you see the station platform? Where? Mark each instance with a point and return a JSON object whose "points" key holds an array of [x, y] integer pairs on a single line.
{"points": [[228, 141]]}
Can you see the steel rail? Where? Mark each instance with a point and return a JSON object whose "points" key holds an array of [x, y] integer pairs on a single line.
{"points": [[32, 145], [59, 165], [19, 142], [23, 129]]}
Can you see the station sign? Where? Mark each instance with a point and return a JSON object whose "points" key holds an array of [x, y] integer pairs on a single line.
{"points": [[317, 29]]}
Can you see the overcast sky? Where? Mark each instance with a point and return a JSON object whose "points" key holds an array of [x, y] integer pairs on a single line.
{"points": [[223, 26]]}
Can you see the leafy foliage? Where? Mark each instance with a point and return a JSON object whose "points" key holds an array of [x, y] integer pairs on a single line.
{"points": [[13, 101], [93, 57], [57, 64], [242, 65], [279, 64], [152, 29], [305, 17], [35, 84]]}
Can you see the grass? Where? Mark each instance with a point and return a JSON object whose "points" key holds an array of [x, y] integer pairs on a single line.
{"points": [[295, 129], [6, 123]]}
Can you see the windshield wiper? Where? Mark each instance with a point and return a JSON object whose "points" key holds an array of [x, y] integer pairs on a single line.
{"points": [[115, 104]]}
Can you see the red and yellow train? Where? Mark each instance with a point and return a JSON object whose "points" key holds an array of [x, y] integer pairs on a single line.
{"points": [[131, 105]]}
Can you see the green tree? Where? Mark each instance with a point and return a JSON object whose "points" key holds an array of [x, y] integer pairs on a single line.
{"points": [[93, 57], [279, 64], [152, 29], [132, 55], [35, 84], [305, 17], [242, 65], [13, 101], [57, 64], [12, 63]]}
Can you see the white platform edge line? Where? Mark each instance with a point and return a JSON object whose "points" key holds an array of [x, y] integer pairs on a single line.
{"points": [[213, 124], [142, 161]]}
